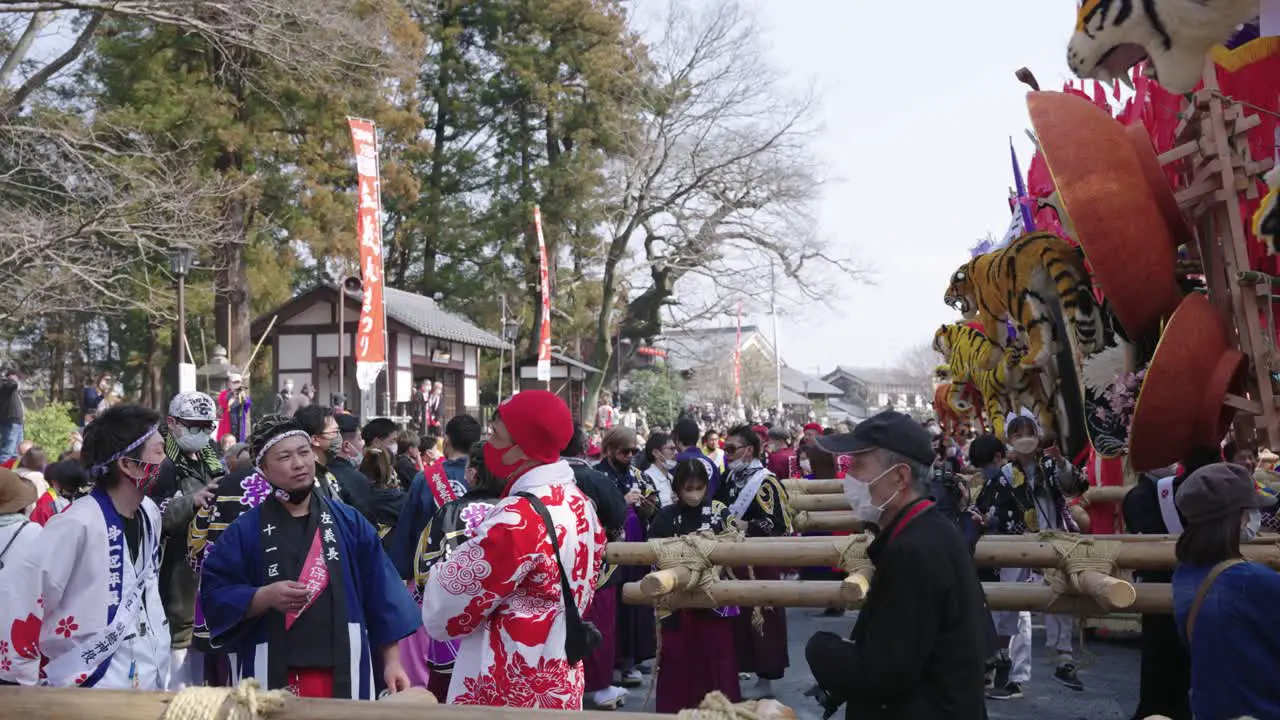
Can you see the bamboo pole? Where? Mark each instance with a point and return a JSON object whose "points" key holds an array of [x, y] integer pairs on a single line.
{"points": [[1149, 598], [812, 487], [810, 503], [45, 703], [827, 521], [1016, 552]]}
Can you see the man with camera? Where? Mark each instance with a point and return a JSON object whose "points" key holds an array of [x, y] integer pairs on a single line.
{"points": [[919, 647]]}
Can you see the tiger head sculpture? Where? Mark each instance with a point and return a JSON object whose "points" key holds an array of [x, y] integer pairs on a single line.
{"points": [[1266, 221], [1112, 36], [960, 295]]}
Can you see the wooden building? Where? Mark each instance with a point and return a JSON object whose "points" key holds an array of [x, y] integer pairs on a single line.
{"points": [[568, 380], [425, 342]]}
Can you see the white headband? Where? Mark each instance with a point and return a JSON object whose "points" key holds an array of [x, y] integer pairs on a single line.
{"points": [[257, 461]]}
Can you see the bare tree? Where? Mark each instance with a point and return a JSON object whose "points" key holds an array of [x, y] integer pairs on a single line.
{"points": [[320, 40], [917, 364], [87, 217], [717, 181]]}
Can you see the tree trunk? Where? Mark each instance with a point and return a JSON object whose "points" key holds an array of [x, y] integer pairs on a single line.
{"points": [[439, 138], [231, 308], [153, 370]]}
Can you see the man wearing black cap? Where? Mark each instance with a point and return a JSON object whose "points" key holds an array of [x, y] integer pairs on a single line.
{"points": [[919, 647]]}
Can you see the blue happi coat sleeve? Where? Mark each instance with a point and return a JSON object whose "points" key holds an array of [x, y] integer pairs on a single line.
{"points": [[229, 577], [389, 611], [418, 510]]}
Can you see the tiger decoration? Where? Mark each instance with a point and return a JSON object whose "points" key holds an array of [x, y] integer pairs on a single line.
{"points": [[1266, 221], [1002, 383], [1112, 36], [955, 403], [1016, 284]]}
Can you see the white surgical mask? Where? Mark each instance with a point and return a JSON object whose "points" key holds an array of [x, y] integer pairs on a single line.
{"points": [[669, 465], [1250, 529], [1025, 445], [737, 465], [392, 448], [193, 440], [858, 494]]}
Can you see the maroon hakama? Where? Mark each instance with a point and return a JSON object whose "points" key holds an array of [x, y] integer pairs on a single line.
{"points": [[697, 658], [637, 636], [597, 668], [765, 655]]}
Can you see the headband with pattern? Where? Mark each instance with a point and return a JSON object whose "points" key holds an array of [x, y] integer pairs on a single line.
{"points": [[257, 461], [103, 468]]}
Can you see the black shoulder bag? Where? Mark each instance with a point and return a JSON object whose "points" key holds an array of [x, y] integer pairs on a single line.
{"points": [[581, 637]]}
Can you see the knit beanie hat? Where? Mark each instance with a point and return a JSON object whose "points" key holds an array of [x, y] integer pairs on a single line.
{"points": [[539, 423]]}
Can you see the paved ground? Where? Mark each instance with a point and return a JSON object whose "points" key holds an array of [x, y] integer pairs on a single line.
{"points": [[1109, 670]]}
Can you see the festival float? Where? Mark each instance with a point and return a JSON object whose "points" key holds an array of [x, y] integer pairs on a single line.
{"points": [[1130, 307]]}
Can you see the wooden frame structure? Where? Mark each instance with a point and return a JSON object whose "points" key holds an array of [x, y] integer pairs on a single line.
{"points": [[1212, 154]]}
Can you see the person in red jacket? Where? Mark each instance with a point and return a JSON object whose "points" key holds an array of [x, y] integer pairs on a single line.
{"points": [[67, 482]]}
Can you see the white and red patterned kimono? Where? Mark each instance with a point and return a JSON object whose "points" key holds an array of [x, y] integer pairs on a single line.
{"points": [[80, 610], [500, 594]]}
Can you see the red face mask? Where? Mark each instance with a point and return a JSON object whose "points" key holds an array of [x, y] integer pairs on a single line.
{"points": [[494, 462], [150, 473]]}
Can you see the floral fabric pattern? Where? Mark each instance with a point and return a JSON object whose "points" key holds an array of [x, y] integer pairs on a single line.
{"points": [[499, 593]]}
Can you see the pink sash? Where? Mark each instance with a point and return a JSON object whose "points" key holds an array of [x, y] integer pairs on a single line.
{"points": [[314, 575]]}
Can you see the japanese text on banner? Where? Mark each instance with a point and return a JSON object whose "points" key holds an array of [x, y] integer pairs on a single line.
{"points": [[544, 328], [370, 337]]}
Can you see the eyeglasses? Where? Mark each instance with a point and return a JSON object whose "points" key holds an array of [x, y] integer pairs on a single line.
{"points": [[730, 449], [629, 451]]}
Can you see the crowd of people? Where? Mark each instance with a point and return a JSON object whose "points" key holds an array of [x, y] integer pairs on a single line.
{"points": [[336, 557]]}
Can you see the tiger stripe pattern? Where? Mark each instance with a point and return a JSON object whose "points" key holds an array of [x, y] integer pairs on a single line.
{"points": [[1004, 385], [1018, 284], [1266, 221], [1112, 36]]}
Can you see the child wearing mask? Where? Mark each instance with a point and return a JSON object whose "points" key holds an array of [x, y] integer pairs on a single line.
{"points": [[697, 652]]}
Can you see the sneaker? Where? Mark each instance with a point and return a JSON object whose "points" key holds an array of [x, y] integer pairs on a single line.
{"points": [[631, 678], [610, 698], [760, 691], [1066, 674], [1009, 691], [646, 667], [1004, 667]]}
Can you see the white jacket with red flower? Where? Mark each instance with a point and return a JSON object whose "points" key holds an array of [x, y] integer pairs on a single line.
{"points": [[79, 610], [500, 594]]}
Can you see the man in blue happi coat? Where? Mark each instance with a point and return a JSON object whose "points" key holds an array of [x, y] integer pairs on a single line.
{"points": [[299, 589]]}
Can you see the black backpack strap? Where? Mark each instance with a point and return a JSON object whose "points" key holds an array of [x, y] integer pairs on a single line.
{"points": [[570, 605]]}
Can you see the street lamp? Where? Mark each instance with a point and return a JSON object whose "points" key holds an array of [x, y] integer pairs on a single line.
{"points": [[510, 331], [181, 258], [347, 284]]}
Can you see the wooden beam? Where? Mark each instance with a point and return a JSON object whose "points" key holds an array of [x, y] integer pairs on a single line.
{"points": [[1235, 255], [46, 703], [1150, 598]]}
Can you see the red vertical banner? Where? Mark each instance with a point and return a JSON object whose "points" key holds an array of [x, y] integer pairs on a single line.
{"points": [[371, 351], [737, 360], [544, 327]]}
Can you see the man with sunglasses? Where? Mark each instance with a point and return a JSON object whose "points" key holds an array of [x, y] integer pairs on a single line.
{"points": [[188, 481]]}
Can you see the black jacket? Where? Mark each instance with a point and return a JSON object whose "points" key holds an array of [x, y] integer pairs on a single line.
{"points": [[919, 647], [354, 488], [611, 506], [1164, 675], [11, 407]]}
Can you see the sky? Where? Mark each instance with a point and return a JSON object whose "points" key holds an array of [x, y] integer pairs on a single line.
{"points": [[918, 102]]}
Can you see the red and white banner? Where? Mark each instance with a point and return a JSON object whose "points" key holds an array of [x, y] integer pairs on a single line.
{"points": [[737, 360], [371, 351], [544, 328]]}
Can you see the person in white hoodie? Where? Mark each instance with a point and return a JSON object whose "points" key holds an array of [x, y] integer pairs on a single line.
{"points": [[658, 462]]}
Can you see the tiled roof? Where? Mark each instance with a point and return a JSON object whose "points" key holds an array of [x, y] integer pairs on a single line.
{"points": [[806, 384], [423, 314]]}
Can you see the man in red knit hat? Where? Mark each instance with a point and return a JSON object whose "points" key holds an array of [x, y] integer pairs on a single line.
{"points": [[502, 593]]}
